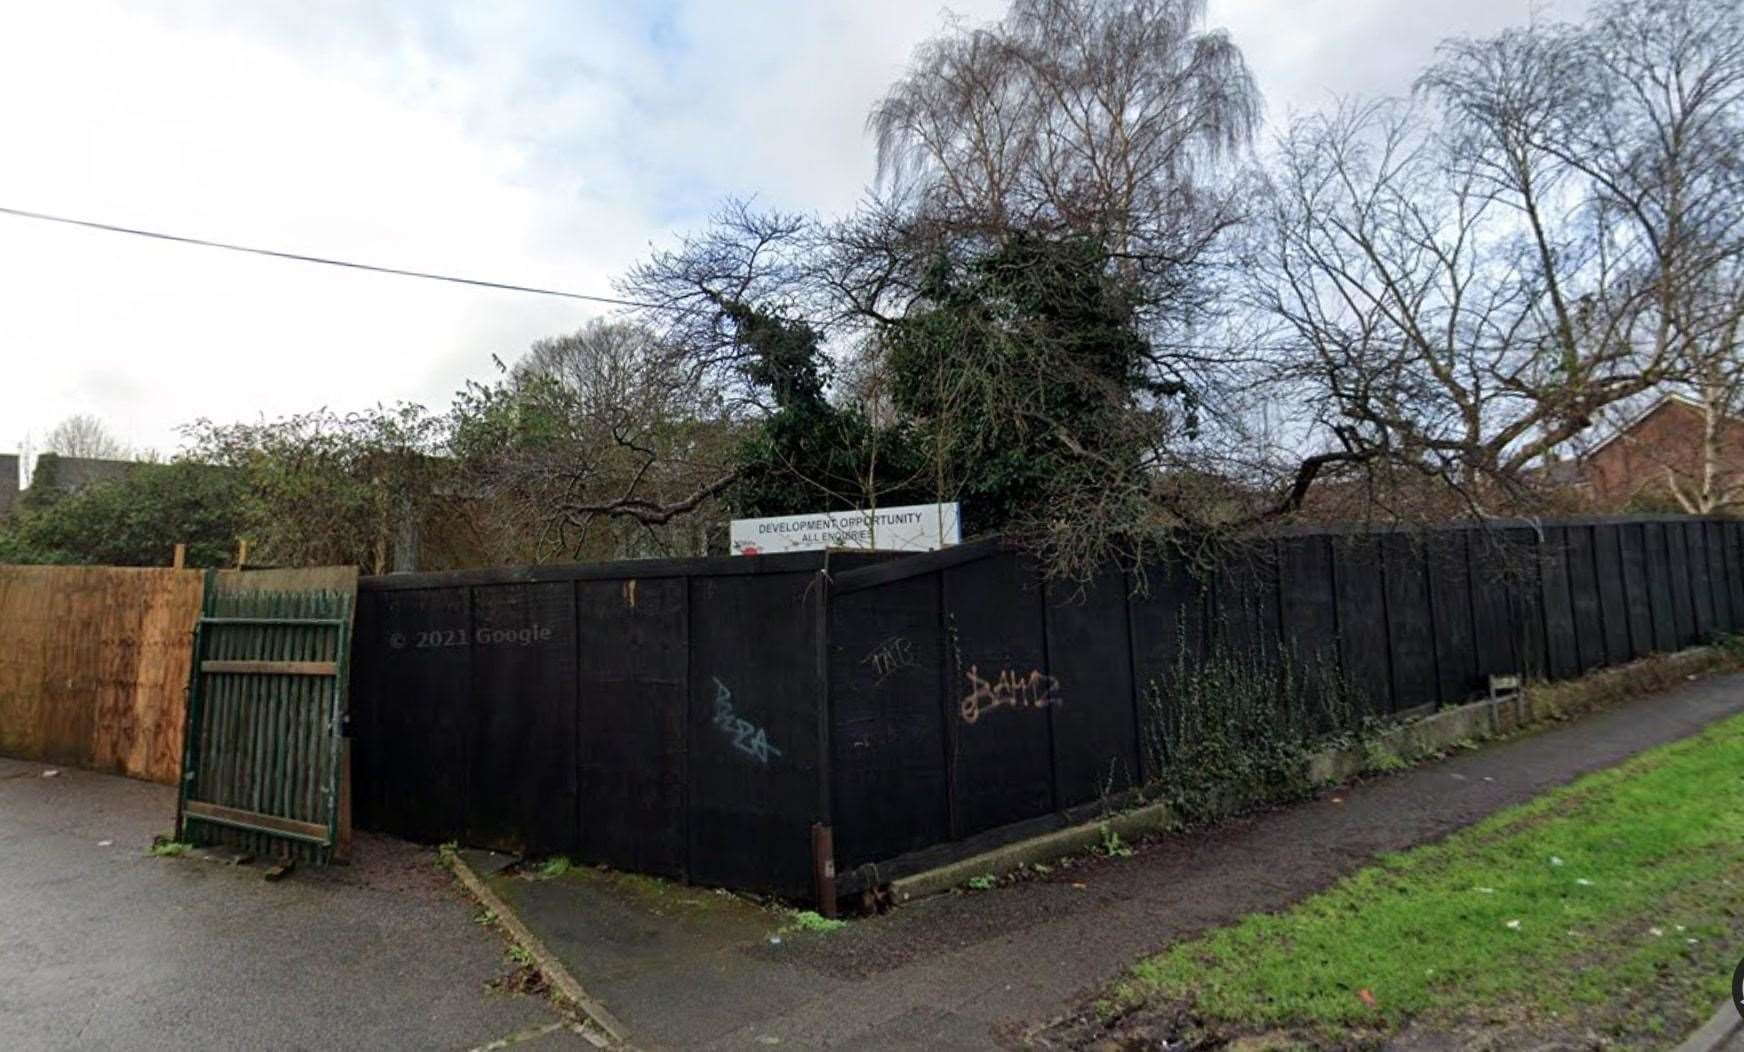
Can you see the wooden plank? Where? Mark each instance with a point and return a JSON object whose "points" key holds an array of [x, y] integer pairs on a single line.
{"points": [[273, 668], [238, 818], [263, 622], [306, 579], [342, 849]]}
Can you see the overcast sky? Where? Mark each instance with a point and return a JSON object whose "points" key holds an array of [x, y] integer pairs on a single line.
{"points": [[535, 143]]}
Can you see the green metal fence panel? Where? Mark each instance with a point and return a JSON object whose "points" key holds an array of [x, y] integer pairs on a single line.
{"points": [[263, 763]]}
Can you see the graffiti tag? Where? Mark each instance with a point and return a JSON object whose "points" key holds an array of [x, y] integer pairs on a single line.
{"points": [[1010, 690], [747, 737], [892, 655]]}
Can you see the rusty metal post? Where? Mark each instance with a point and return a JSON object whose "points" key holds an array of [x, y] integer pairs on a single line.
{"points": [[823, 868]]}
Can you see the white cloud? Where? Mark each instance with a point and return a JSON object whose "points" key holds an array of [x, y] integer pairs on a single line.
{"points": [[545, 144]]}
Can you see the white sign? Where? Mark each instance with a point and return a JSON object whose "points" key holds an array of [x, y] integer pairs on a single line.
{"points": [[914, 528]]}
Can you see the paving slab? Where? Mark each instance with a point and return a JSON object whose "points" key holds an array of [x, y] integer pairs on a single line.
{"points": [[690, 968]]}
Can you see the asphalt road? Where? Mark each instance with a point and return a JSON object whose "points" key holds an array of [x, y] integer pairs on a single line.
{"points": [[103, 946]]}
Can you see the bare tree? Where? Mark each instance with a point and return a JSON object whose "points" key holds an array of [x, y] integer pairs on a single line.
{"points": [[1070, 114], [1710, 366], [87, 436], [1078, 117], [598, 434], [1464, 296], [1675, 73]]}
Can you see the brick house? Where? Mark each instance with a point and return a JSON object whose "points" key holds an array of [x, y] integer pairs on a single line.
{"points": [[1632, 468]]}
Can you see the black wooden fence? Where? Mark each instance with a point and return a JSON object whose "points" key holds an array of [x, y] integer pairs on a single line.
{"points": [[694, 718], [660, 716]]}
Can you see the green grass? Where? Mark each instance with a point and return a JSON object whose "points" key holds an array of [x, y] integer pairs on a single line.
{"points": [[163, 848], [1610, 891]]}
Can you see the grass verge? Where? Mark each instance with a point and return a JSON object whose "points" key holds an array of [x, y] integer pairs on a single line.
{"points": [[1611, 906]]}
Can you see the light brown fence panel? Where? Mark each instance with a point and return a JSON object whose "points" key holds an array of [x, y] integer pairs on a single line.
{"points": [[94, 666]]}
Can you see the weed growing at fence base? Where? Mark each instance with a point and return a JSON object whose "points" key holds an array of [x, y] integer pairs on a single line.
{"points": [[1231, 728], [1608, 904], [1112, 845], [555, 866], [811, 920]]}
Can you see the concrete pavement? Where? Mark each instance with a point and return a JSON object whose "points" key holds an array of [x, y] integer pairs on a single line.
{"points": [[686, 968], [104, 946]]}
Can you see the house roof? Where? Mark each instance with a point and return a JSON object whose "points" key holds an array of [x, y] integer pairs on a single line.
{"points": [[1641, 418]]}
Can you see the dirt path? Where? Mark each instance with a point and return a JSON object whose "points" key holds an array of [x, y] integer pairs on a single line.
{"points": [[977, 970]]}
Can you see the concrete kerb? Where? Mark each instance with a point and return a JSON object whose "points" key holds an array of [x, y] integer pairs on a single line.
{"points": [[549, 964], [1409, 742], [1715, 1033]]}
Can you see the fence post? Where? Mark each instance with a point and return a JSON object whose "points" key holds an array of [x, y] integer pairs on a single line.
{"points": [[822, 841], [191, 706], [1429, 590], [1135, 693], [948, 658], [823, 868], [1479, 665], [1047, 663], [1380, 550]]}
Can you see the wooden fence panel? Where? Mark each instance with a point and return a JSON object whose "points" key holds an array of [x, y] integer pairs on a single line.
{"points": [[1450, 604], [1095, 734], [1614, 606], [1362, 617], [94, 666], [632, 667], [1583, 588], [1410, 622], [996, 671]]}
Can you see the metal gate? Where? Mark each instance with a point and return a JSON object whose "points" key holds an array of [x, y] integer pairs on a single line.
{"points": [[264, 762]]}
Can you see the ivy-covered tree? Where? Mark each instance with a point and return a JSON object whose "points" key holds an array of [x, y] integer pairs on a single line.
{"points": [[809, 453], [1023, 370]]}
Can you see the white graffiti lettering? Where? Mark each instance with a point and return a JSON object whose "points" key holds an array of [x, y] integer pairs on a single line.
{"points": [[892, 655], [747, 737]]}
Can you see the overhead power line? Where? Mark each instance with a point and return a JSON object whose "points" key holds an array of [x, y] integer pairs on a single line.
{"points": [[300, 258]]}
